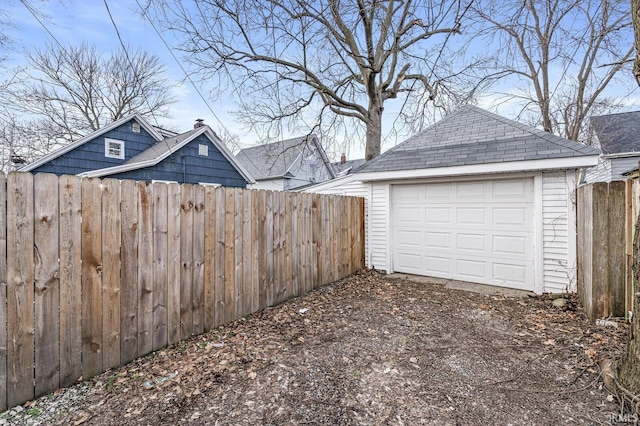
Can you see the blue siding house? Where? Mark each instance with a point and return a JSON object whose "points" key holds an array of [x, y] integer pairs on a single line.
{"points": [[131, 148]]}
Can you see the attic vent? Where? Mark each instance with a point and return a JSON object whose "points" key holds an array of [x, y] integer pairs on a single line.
{"points": [[203, 150], [135, 127]]}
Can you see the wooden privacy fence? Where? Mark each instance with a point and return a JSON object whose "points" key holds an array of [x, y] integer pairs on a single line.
{"points": [[604, 242], [96, 273]]}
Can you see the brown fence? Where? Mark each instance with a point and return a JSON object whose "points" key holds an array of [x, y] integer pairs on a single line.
{"points": [[98, 272], [604, 231]]}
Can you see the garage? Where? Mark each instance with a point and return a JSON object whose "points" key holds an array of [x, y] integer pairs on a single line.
{"points": [[477, 231]]}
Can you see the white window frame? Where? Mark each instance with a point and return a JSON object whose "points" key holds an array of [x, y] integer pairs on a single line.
{"points": [[107, 153], [203, 150]]}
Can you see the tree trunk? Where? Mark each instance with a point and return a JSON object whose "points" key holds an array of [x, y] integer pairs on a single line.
{"points": [[374, 133], [630, 365]]}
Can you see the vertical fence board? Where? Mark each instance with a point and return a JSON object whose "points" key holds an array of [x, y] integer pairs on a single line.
{"points": [[268, 234], [294, 244], [20, 316], [70, 280], [145, 268], [3, 293], [173, 263], [288, 268], [229, 255], [209, 258], [275, 247], [255, 251], [111, 273], [220, 262], [197, 303], [316, 243], [186, 261], [129, 273], [246, 252], [283, 294], [46, 283], [239, 289], [160, 266], [262, 253], [91, 278]]}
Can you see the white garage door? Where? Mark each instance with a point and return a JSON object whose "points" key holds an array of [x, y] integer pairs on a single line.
{"points": [[479, 231]]}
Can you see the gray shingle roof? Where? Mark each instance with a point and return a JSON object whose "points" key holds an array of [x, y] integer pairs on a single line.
{"points": [[275, 159], [160, 148], [618, 133], [472, 135]]}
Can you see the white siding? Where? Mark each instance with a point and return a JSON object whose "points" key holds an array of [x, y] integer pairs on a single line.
{"points": [[599, 173], [270, 185], [556, 204], [623, 165], [379, 227]]}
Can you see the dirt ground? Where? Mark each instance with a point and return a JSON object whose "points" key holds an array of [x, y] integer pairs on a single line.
{"points": [[367, 350]]}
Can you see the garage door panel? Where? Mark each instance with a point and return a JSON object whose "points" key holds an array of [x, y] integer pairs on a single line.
{"points": [[472, 242], [438, 266], [479, 231], [471, 215], [437, 240], [471, 269], [438, 215]]}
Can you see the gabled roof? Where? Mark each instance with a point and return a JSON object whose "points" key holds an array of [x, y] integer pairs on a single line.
{"points": [[274, 160], [617, 133], [91, 136], [473, 136], [347, 167], [166, 147]]}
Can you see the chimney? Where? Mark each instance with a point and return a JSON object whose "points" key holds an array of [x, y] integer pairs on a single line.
{"points": [[343, 158], [199, 123]]}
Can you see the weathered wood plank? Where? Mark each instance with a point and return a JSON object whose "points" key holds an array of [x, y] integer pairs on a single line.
{"points": [[302, 243], [160, 265], [3, 292], [326, 241], [209, 258], [111, 234], [220, 257], [47, 284], [229, 256], [269, 296], [262, 252], [246, 252], [129, 272], [173, 263], [186, 260], [335, 241], [616, 244], [70, 226], [316, 223], [92, 349], [20, 316], [295, 290], [282, 265], [288, 244], [145, 268], [255, 251], [239, 278], [600, 249], [197, 302]]}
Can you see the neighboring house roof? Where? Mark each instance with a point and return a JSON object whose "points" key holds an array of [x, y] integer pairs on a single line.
{"points": [[167, 143], [274, 160], [347, 167], [166, 147], [617, 133], [153, 131], [472, 136]]}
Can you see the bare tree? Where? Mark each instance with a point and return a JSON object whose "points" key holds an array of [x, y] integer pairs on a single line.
{"points": [[635, 17], [343, 60], [564, 52], [73, 91]]}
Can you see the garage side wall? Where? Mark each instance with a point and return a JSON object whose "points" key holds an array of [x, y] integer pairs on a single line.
{"points": [[558, 228]]}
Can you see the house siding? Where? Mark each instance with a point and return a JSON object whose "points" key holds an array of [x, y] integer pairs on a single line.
{"points": [[622, 165], [558, 269], [187, 166], [90, 156], [378, 229]]}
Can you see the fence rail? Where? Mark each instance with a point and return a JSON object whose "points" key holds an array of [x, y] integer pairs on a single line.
{"points": [[95, 273]]}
